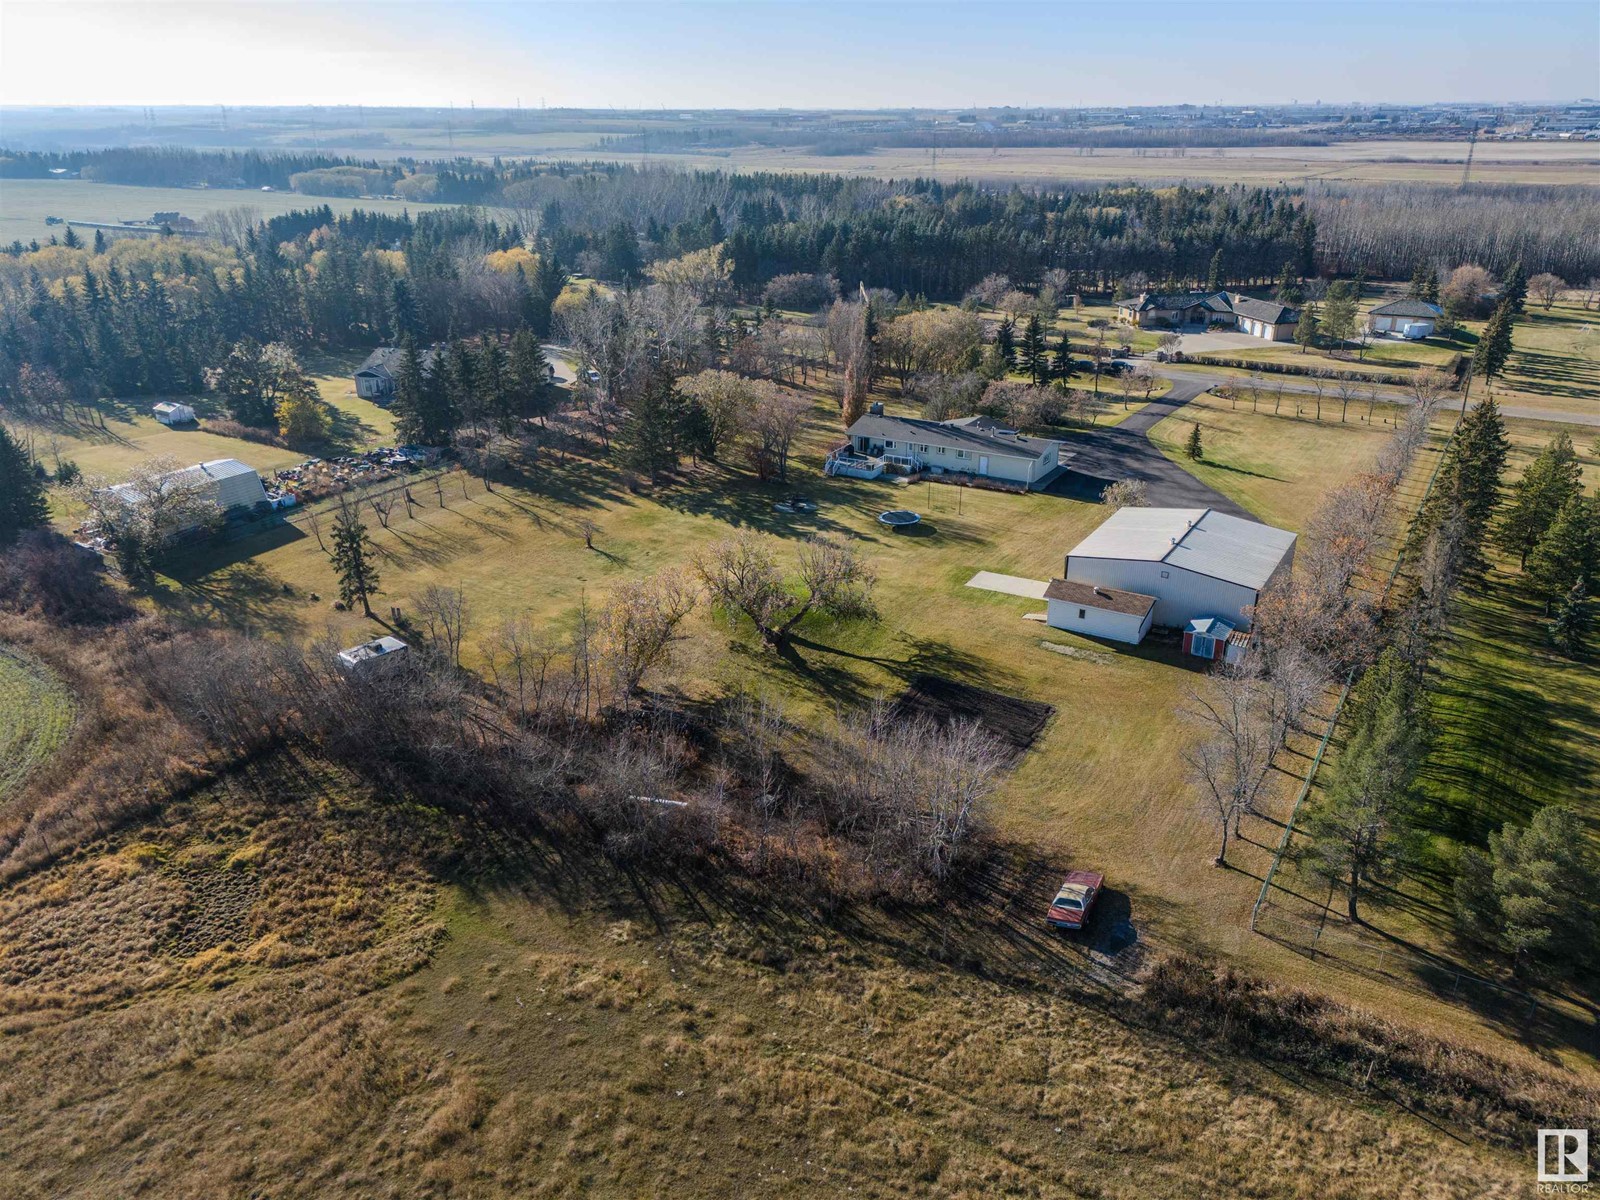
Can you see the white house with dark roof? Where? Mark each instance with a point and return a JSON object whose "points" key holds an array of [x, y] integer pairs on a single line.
{"points": [[1193, 562], [1097, 611], [375, 378], [1266, 319], [977, 446], [1408, 318]]}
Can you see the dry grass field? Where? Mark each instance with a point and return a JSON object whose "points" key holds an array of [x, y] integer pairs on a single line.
{"points": [[277, 991]]}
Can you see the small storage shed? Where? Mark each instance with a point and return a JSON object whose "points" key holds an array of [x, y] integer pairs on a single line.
{"points": [[1207, 637], [369, 656], [169, 412], [1101, 612]]}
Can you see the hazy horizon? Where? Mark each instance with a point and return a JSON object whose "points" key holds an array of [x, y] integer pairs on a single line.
{"points": [[820, 57]]}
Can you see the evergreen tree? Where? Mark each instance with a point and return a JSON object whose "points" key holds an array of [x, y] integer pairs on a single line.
{"points": [[403, 320], [1005, 343], [99, 241], [1032, 356], [1514, 291], [1305, 236], [1532, 896], [1307, 328], [529, 372], [1288, 289], [354, 559], [492, 386], [22, 499], [1552, 479], [652, 426], [1422, 279], [1339, 312], [1569, 628], [1568, 553], [1363, 831], [1063, 358], [1214, 276], [1468, 482], [1494, 344], [72, 240], [424, 412], [1193, 447]]}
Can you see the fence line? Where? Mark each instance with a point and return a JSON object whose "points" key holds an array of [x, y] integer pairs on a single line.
{"points": [[1344, 693]]}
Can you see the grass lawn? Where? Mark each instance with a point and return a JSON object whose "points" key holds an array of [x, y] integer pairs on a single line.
{"points": [[36, 713], [1276, 466], [1105, 785], [366, 998]]}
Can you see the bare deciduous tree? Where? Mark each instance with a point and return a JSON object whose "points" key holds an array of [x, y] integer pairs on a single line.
{"points": [[741, 575], [1231, 765], [1126, 493], [444, 615], [639, 624]]}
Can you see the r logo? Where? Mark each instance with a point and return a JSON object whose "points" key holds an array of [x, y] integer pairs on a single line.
{"points": [[1563, 1156]]}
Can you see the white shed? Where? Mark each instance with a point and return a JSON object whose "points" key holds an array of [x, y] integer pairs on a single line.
{"points": [[359, 660], [169, 412], [1100, 612], [1196, 562]]}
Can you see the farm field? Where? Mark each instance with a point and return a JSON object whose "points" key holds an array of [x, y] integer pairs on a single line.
{"points": [[36, 713], [25, 203], [1354, 162]]}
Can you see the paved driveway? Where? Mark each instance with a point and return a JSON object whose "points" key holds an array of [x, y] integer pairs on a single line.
{"points": [[1125, 451], [1220, 340], [1011, 585]]}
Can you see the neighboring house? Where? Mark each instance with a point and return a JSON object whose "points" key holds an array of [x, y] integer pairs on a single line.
{"points": [[1408, 318], [976, 446], [1266, 319], [1196, 562], [233, 487], [375, 378], [169, 412], [363, 659], [1102, 612]]}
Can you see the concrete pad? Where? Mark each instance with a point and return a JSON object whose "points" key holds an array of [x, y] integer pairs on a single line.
{"points": [[1011, 585]]}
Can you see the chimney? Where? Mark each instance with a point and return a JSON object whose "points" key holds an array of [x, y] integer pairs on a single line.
{"points": [[876, 408]]}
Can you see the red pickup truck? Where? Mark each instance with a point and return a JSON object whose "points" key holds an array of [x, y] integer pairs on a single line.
{"points": [[1070, 908]]}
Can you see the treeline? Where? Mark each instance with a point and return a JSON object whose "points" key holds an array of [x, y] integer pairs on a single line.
{"points": [[172, 167], [149, 316]]}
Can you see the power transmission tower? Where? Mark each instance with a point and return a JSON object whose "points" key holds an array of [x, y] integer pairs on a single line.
{"points": [[1472, 145]]}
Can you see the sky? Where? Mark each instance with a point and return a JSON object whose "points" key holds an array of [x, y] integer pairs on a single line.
{"points": [[774, 53]]}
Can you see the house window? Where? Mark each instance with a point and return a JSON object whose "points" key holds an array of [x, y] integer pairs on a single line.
{"points": [[1166, 574], [961, 453], [1082, 613], [922, 449], [887, 444], [939, 449]]}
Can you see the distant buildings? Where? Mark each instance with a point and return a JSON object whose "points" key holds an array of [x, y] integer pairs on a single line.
{"points": [[225, 482], [170, 412], [1409, 318]]}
